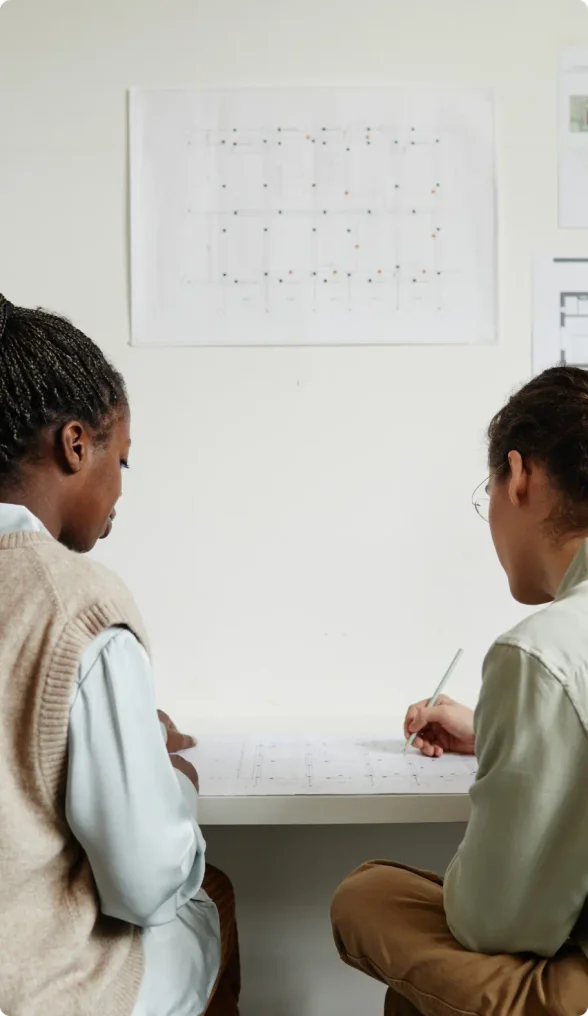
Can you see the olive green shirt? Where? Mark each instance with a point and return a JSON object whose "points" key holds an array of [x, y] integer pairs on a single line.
{"points": [[519, 881]]}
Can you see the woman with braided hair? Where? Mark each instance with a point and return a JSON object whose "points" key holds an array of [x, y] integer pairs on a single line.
{"points": [[106, 903]]}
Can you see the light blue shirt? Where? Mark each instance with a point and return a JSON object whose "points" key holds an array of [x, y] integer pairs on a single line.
{"points": [[135, 817]]}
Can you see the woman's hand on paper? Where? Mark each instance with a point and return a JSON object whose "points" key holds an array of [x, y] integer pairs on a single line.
{"points": [[178, 742], [446, 726], [183, 766], [174, 740]]}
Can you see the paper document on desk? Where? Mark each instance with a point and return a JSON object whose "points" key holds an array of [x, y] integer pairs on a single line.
{"points": [[273, 767]]}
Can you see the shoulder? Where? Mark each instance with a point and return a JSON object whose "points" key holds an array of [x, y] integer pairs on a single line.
{"points": [[69, 571], [554, 641], [86, 589], [531, 689]]}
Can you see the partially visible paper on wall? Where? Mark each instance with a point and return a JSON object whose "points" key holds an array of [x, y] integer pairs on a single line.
{"points": [[560, 312], [573, 139]]}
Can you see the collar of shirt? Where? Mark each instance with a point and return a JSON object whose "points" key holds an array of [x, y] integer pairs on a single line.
{"points": [[15, 518], [576, 573]]}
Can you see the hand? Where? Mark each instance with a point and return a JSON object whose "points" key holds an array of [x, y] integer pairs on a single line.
{"points": [[446, 726], [174, 740], [185, 767]]}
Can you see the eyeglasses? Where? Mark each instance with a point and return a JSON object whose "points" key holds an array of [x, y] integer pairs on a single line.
{"points": [[481, 500]]}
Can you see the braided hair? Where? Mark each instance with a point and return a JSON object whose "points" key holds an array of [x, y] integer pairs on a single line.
{"points": [[50, 373]]}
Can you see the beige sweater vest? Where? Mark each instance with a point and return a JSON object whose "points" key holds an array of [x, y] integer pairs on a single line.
{"points": [[59, 956]]}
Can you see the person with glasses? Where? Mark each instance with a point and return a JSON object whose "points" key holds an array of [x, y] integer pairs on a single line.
{"points": [[506, 932]]}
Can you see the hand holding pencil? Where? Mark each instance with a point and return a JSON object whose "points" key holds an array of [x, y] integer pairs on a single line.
{"points": [[438, 725]]}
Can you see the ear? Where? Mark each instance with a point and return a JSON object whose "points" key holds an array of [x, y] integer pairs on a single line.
{"points": [[73, 441], [518, 482]]}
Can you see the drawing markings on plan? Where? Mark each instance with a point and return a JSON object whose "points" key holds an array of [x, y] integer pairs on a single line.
{"points": [[560, 327], [312, 216], [274, 767]]}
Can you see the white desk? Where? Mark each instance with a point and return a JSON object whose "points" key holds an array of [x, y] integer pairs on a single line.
{"points": [[235, 776], [335, 810]]}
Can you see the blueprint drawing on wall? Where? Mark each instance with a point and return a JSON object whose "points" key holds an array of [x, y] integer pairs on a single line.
{"points": [[312, 216]]}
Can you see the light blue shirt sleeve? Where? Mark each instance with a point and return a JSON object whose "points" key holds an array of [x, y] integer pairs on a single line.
{"points": [[133, 814]]}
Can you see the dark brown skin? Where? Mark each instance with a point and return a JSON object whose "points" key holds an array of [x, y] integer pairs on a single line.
{"points": [[74, 483], [175, 740], [185, 767], [72, 486]]}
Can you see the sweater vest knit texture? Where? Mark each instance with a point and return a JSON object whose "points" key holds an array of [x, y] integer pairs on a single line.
{"points": [[59, 955]]}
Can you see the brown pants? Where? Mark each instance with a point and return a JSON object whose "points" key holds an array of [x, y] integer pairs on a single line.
{"points": [[389, 922], [224, 1000]]}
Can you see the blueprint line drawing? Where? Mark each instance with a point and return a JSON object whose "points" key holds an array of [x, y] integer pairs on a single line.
{"points": [[312, 216], [286, 767], [573, 322], [560, 327]]}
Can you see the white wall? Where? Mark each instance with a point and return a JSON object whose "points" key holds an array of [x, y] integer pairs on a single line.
{"points": [[297, 523]]}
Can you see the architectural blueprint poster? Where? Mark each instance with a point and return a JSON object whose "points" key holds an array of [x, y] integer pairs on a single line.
{"points": [[323, 216]]}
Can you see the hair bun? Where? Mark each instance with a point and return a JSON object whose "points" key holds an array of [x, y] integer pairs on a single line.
{"points": [[6, 309]]}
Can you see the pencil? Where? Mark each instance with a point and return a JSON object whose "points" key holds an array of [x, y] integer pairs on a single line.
{"points": [[438, 693]]}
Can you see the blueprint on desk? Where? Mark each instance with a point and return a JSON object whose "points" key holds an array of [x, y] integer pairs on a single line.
{"points": [[272, 766]]}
